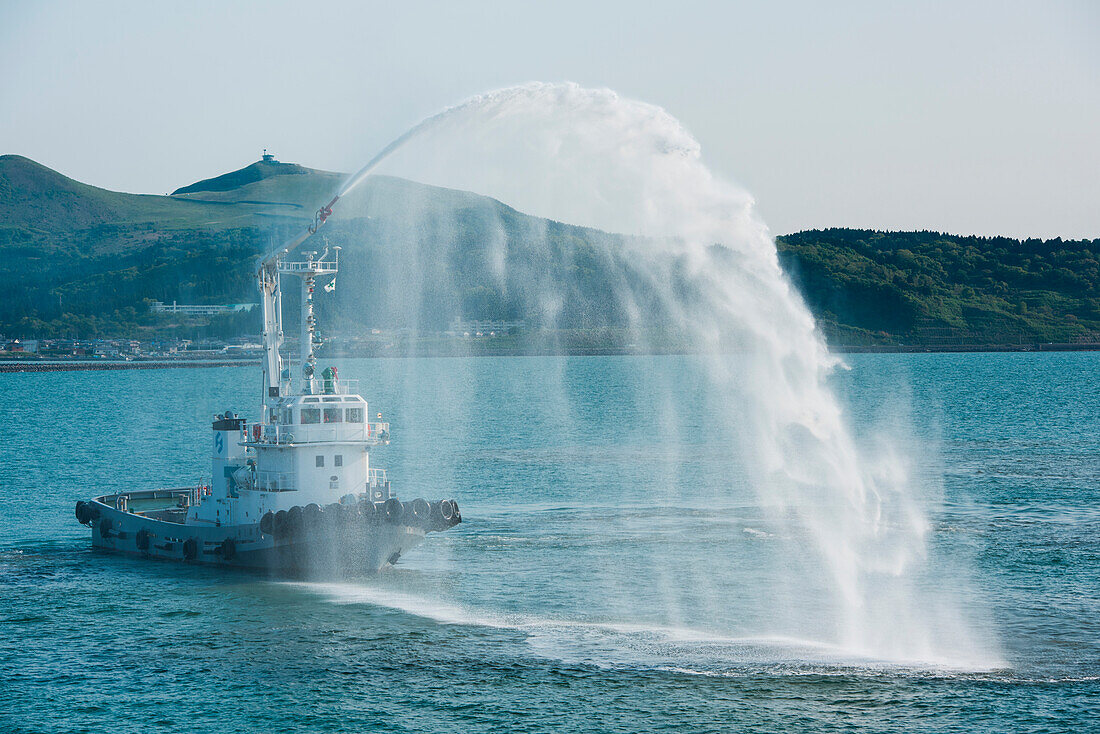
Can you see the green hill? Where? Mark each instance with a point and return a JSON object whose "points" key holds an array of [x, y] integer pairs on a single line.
{"points": [[286, 189], [261, 170], [934, 289], [82, 261], [39, 204], [88, 261]]}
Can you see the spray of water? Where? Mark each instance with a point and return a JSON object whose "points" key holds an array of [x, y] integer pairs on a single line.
{"points": [[847, 528]]}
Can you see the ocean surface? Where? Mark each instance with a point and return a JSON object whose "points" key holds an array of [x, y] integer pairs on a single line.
{"points": [[611, 573]]}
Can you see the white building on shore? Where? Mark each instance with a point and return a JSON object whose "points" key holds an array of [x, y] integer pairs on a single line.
{"points": [[190, 310]]}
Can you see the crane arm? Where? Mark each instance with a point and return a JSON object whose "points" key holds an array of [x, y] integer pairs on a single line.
{"points": [[319, 218]]}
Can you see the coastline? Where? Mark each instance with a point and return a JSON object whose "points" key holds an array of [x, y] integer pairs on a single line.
{"points": [[950, 349], [609, 351], [75, 366]]}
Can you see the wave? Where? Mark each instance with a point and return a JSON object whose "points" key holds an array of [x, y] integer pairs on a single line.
{"points": [[645, 645]]}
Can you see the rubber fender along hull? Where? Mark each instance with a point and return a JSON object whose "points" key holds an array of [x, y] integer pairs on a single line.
{"points": [[324, 545]]}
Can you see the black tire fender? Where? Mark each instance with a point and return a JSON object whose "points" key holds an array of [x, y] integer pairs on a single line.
{"points": [[278, 525], [294, 520], [312, 516], [392, 510], [419, 512], [443, 515]]}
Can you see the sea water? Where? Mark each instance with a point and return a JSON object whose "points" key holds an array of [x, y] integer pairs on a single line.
{"points": [[605, 578]]}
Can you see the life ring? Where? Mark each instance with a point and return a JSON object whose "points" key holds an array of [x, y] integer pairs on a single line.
{"points": [[190, 549]]}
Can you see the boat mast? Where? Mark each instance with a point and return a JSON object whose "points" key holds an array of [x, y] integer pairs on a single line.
{"points": [[268, 273], [309, 362], [309, 270]]}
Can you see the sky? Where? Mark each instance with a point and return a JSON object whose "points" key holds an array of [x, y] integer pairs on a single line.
{"points": [[964, 117]]}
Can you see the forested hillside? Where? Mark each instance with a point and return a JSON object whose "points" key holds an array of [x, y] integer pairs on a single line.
{"points": [[936, 289], [80, 261]]}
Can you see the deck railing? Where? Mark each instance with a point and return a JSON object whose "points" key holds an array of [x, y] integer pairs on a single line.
{"points": [[339, 386], [378, 485], [374, 433]]}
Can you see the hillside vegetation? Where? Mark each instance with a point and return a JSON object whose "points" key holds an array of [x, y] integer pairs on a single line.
{"points": [[76, 260], [929, 288]]}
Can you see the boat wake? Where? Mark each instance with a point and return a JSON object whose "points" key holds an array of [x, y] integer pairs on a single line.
{"points": [[611, 644]]}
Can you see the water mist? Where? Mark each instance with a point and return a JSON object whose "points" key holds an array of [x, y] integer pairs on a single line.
{"points": [[846, 563]]}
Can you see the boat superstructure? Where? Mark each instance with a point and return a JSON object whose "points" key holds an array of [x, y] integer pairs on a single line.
{"points": [[294, 490]]}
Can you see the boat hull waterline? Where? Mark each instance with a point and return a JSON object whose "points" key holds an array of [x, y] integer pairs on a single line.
{"points": [[343, 539]]}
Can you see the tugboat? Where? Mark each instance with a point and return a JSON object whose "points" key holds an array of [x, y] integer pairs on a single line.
{"points": [[294, 492]]}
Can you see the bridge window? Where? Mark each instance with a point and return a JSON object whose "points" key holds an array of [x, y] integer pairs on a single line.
{"points": [[334, 415], [355, 415], [311, 415], [320, 461], [338, 460]]}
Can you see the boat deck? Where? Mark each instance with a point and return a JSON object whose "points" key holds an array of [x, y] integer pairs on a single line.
{"points": [[166, 505]]}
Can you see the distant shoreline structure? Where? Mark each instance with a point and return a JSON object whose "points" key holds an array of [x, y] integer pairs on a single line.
{"points": [[75, 366], [489, 351], [200, 310]]}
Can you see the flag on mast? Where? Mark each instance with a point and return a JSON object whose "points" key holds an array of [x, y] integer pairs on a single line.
{"points": [[330, 286]]}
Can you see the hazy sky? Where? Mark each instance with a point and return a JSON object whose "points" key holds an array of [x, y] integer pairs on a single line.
{"points": [[968, 117]]}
